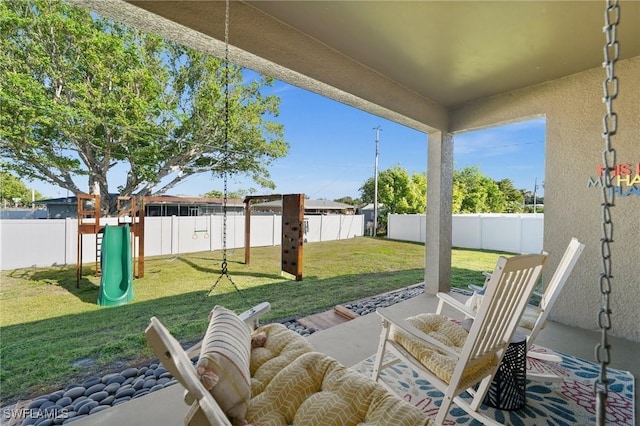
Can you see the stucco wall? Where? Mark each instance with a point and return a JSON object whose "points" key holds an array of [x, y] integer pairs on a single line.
{"points": [[573, 109]]}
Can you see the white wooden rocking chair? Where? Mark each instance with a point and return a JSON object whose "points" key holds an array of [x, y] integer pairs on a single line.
{"points": [[534, 317], [450, 358]]}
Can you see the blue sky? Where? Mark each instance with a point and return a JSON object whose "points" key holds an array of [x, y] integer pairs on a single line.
{"points": [[332, 151]]}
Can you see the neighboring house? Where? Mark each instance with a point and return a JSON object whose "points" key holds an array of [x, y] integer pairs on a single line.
{"points": [[165, 205], [367, 211], [311, 207], [18, 213], [61, 208]]}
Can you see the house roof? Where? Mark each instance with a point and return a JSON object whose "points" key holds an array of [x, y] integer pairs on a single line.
{"points": [[370, 206], [309, 205], [171, 199], [161, 199], [62, 200]]}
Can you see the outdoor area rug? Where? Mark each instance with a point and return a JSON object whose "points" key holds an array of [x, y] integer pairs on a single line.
{"points": [[570, 402]]}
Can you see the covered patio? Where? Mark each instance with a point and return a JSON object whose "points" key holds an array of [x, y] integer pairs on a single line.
{"points": [[445, 68], [351, 343]]}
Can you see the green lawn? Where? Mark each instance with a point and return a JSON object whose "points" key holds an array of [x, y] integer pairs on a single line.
{"points": [[53, 334]]}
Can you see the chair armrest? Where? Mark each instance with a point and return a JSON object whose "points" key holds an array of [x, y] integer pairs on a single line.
{"points": [[481, 289], [454, 303], [253, 315], [175, 360], [403, 325], [476, 288]]}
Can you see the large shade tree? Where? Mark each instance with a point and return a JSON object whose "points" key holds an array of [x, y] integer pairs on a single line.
{"points": [[473, 192], [514, 197], [480, 193], [397, 190], [84, 97]]}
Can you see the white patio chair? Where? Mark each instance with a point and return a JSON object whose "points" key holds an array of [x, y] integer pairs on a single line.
{"points": [[535, 317], [449, 357]]}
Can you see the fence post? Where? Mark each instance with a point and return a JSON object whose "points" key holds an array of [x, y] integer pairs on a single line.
{"points": [[273, 229], [210, 228], [519, 234], [69, 241], [174, 236]]}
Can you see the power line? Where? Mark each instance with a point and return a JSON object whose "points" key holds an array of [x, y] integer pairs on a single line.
{"points": [[516, 144], [375, 185]]}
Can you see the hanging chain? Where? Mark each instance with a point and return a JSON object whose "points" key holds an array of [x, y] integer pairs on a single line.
{"points": [[224, 266], [226, 138], [610, 127]]}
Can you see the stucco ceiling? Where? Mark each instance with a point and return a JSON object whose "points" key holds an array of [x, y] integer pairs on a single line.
{"points": [[458, 51], [417, 59]]}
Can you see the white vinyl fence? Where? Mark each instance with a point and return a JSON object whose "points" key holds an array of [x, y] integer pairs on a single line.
{"points": [[516, 233], [34, 243]]}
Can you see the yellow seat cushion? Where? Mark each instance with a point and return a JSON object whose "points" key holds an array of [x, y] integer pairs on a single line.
{"points": [[316, 390], [439, 363], [529, 317], [280, 349]]}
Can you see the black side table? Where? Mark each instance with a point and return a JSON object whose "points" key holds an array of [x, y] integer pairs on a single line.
{"points": [[508, 389]]}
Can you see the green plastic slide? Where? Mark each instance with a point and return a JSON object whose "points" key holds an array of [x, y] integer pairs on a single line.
{"points": [[116, 261]]}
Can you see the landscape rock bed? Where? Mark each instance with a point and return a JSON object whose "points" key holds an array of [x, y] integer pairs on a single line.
{"points": [[95, 394], [294, 325], [370, 305]]}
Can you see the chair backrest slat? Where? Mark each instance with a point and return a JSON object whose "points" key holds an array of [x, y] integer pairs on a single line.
{"points": [[564, 269], [508, 291], [556, 284]]}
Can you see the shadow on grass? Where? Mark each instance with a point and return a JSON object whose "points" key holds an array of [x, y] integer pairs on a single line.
{"points": [[471, 250], [65, 278], [200, 268], [43, 356]]}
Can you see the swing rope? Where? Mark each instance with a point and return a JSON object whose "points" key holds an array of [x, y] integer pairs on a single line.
{"points": [[610, 127], [225, 266]]}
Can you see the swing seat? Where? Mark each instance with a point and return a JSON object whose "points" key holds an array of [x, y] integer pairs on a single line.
{"points": [[288, 383]]}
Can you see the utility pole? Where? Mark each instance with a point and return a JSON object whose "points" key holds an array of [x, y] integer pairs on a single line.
{"points": [[375, 185], [535, 189]]}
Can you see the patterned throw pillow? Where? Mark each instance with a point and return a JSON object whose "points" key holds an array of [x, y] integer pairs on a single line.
{"points": [[224, 361]]}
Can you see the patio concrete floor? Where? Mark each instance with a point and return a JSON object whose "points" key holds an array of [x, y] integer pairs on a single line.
{"points": [[356, 340]]}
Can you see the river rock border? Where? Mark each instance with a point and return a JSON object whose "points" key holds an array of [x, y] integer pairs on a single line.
{"points": [[95, 394]]}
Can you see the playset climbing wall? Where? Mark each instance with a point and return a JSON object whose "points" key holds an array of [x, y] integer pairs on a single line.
{"points": [[292, 234]]}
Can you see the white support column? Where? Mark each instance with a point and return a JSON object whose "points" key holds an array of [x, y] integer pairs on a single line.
{"points": [[437, 273]]}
